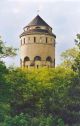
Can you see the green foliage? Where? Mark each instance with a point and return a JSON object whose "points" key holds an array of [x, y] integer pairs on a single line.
{"points": [[76, 65], [23, 120], [16, 121], [3, 86], [40, 92], [77, 41], [4, 110], [6, 51], [72, 56], [4, 107], [69, 56], [41, 97]]}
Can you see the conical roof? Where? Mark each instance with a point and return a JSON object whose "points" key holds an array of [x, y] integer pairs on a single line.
{"points": [[38, 21]]}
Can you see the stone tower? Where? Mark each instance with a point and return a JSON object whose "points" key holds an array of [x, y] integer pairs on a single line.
{"points": [[37, 44]]}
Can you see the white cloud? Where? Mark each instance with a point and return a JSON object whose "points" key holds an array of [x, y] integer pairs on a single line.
{"points": [[16, 10], [25, 1]]}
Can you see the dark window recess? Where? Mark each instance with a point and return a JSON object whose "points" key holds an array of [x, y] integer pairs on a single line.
{"points": [[24, 40], [26, 59], [49, 59], [37, 27], [34, 39], [46, 40], [37, 58]]}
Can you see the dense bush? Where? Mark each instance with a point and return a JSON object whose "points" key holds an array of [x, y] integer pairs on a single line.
{"points": [[42, 92], [25, 120]]}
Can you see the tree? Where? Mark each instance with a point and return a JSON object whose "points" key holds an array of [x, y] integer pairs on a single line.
{"points": [[4, 92], [40, 92], [19, 120], [69, 56], [77, 41], [6, 51], [25, 120], [72, 56], [74, 90], [76, 65]]}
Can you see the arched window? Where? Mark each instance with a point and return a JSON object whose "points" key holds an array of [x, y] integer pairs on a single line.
{"points": [[37, 58], [26, 61], [49, 59], [26, 58]]}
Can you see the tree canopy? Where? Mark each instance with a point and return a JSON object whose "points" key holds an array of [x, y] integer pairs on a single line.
{"points": [[43, 96], [6, 51]]}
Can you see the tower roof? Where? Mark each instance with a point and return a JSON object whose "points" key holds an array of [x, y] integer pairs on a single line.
{"points": [[38, 21]]}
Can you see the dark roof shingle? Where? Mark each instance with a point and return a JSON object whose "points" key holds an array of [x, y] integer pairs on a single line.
{"points": [[38, 21]]}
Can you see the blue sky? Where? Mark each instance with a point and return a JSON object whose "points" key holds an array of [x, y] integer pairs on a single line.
{"points": [[62, 15]]}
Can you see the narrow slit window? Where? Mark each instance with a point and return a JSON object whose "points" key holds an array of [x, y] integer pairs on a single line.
{"points": [[34, 39], [46, 39], [24, 40]]}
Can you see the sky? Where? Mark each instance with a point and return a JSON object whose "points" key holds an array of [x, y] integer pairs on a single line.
{"points": [[62, 15]]}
